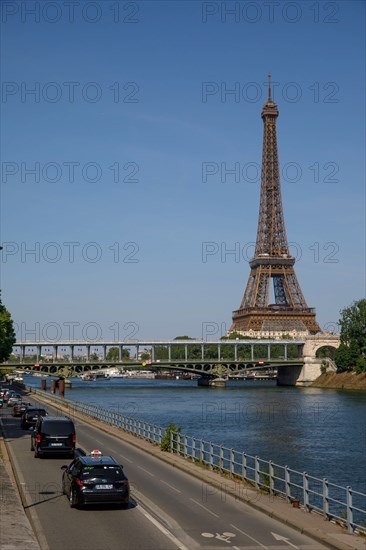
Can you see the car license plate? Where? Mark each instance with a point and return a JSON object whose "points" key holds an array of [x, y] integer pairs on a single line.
{"points": [[56, 444], [104, 486]]}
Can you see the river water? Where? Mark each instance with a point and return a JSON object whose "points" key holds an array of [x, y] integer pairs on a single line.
{"points": [[322, 432]]}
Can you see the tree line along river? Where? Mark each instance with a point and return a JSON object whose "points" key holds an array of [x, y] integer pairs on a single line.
{"points": [[322, 432]]}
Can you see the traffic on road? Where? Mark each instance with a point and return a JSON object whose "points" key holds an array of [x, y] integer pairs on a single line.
{"points": [[121, 497]]}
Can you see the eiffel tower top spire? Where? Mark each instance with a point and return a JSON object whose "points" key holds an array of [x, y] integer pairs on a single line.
{"points": [[271, 233]]}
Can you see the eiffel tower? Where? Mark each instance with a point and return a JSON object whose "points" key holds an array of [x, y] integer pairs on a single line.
{"points": [[272, 259]]}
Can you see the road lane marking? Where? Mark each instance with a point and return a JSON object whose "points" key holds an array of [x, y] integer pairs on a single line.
{"points": [[125, 458], [147, 471], [284, 539], [171, 486], [163, 529], [249, 537], [204, 507]]}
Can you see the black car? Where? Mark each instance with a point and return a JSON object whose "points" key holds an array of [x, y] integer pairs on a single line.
{"points": [[30, 417], [95, 480], [53, 434], [20, 408]]}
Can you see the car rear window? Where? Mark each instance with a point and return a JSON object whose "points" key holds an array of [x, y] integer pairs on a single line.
{"points": [[57, 428], [111, 472], [36, 412]]}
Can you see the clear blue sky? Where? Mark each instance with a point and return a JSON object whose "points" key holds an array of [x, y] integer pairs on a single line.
{"points": [[166, 123]]}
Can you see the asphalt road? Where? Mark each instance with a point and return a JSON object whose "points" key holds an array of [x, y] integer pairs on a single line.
{"points": [[169, 509]]}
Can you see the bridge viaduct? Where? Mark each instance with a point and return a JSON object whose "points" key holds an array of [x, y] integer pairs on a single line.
{"points": [[300, 369]]}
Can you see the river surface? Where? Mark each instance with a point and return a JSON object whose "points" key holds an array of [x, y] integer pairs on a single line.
{"points": [[320, 431]]}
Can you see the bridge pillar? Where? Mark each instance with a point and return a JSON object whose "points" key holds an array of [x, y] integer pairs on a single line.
{"points": [[120, 353], [169, 353], [61, 387], [22, 352], [104, 355], [299, 375], [71, 352], [55, 353], [206, 381], [202, 352], [87, 352]]}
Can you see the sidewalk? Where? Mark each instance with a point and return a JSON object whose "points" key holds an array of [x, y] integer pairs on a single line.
{"points": [[312, 524], [16, 532]]}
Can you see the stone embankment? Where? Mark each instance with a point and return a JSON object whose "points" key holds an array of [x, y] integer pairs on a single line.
{"points": [[342, 381]]}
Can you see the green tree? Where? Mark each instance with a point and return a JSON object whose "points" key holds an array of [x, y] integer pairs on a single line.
{"points": [[113, 354], [351, 354], [7, 334], [165, 442]]}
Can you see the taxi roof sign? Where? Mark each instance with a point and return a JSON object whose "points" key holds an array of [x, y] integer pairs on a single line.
{"points": [[95, 452]]}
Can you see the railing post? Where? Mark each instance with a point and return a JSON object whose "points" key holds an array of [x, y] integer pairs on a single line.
{"points": [[211, 456], [221, 458], [179, 443], [256, 472], [232, 463], [325, 498], [271, 477], [134, 426], [287, 483], [305, 484], [149, 432], [244, 473], [202, 451], [193, 449], [349, 510], [185, 446], [171, 441]]}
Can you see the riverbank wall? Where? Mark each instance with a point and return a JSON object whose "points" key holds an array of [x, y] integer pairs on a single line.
{"points": [[341, 381]]}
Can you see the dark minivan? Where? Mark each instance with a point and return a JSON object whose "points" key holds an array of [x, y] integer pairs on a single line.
{"points": [[53, 434]]}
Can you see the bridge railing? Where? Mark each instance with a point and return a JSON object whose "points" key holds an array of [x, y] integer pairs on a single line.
{"points": [[335, 502]]}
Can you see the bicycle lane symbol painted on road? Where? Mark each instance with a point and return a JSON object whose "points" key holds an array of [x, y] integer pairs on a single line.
{"points": [[225, 537]]}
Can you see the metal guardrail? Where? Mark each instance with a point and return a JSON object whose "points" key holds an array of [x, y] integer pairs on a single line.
{"points": [[336, 502]]}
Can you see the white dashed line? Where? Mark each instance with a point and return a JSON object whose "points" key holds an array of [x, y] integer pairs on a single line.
{"points": [[249, 537], [204, 507], [147, 471], [126, 459], [171, 486]]}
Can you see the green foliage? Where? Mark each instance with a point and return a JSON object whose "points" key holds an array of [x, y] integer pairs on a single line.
{"points": [[7, 334], [325, 351], [351, 354], [353, 324], [113, 354], [165, 442]]}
